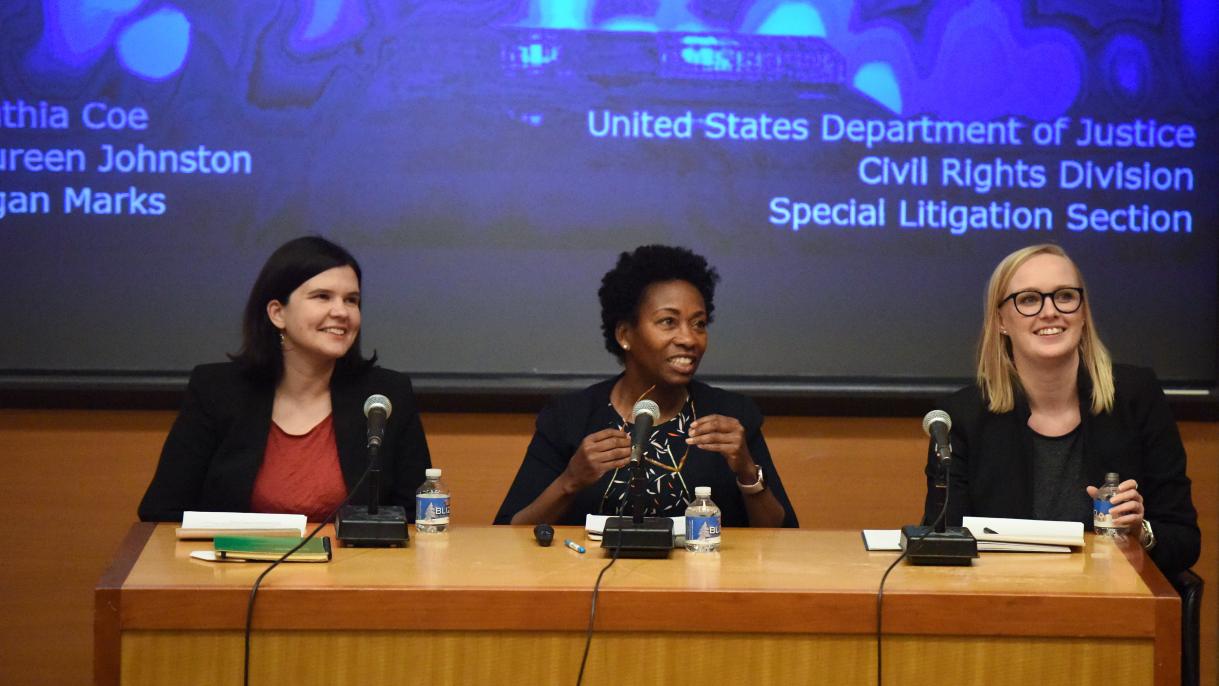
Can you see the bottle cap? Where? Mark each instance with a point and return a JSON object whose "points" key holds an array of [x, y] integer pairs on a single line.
{"points": [[432, 473], [702, 491], [1112, 476]]}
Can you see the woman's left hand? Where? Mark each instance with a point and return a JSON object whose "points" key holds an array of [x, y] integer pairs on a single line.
{"points": [[1126, 505], [726, 436]]}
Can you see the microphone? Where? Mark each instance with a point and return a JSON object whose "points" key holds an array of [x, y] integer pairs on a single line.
{"points": [[373, 525], [544, 533], [645, 414], [639, 536], [938, 544], [377, 409], [937, 424]]}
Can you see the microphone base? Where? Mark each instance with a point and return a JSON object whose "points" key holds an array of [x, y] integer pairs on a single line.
{"points": [[356, 527], [954, 546], [652, 538]]}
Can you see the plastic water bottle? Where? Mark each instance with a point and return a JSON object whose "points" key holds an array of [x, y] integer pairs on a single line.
{"points": [[432, 504], [1102, 520], [702, 523]]}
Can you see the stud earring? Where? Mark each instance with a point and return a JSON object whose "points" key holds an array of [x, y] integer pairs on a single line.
{"points": [[626, 346], [282, 341]]}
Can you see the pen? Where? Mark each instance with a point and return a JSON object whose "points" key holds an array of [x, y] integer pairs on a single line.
{"points": [[573, 545]]}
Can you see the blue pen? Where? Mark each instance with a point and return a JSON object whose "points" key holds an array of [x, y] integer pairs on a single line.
{"points": [[573, 545]]}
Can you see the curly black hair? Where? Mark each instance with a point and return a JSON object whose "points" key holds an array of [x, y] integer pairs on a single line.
{"points": [[622, 287]]}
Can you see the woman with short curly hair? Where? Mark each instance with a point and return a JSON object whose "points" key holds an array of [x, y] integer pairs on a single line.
{"points": [[656, 306]]}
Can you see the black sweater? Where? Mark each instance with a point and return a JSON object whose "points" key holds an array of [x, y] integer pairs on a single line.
{"points": [[564, 423], [992, 468], [215, 448]]}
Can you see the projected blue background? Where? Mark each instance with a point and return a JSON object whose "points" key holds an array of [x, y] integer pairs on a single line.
{"points": [[487, 160], [914, 57]]}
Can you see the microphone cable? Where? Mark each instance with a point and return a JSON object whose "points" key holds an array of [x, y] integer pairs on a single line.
{"points": [[880, 592], [249, 613], [592, 613]]}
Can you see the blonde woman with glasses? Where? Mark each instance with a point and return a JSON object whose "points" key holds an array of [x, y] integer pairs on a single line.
{"points": [[1050, 415]]}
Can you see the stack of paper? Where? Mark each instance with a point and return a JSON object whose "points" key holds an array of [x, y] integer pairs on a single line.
{"points": [[998, 534], [594, 526], [212, 524], [882, 539]]}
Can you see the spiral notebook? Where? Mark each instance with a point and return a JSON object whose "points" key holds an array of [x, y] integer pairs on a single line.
{"points": [[265, 549]]}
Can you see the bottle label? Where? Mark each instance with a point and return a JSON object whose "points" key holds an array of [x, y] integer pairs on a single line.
{"points": [[1100, 513], [432, 509], [703, 529]]}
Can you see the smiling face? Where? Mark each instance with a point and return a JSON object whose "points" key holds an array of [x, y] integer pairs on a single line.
{"points": [[1050, 335], [667, 341], [321, 319]]}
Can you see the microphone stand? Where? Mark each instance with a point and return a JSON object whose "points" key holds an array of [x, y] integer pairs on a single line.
{"points": [[638, 480], [941, 495], [939, 544], [371, 525], [374, 478], [638, 536]]}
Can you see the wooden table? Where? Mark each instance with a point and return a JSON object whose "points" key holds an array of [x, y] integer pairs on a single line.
{"points": [[488, 606]]}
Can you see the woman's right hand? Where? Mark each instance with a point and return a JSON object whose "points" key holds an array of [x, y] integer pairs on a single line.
{"points": [[598, 453]]}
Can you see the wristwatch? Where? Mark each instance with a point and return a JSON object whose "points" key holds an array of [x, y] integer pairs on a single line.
{"points": [[756, 487], [1147, 537]]}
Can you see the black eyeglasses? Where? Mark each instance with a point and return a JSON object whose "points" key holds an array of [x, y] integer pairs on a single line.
{"points": [[1030, 303]]}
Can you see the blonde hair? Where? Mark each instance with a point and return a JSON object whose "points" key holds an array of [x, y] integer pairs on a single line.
{"points": [[997, 377]]}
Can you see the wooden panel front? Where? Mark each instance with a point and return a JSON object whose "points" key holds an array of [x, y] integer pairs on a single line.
{"points": [[444, 658]]}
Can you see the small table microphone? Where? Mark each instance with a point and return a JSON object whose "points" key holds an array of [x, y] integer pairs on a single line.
{"points": [[544, 533]]}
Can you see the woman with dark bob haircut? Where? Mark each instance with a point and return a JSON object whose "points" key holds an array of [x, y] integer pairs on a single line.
{"points": [[281, 427], [656, 305]]}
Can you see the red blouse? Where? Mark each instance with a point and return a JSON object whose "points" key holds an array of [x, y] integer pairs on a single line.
{"points": [[300, 474]]}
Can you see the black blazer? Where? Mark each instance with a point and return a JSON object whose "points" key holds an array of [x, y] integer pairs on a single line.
{"points": [[215, 448], [564, 423], [992, 467]]}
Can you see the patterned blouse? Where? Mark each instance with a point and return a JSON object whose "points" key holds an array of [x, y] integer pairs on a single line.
{"points": [[666, 493]]}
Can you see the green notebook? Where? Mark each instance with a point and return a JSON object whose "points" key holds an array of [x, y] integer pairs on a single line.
{"points": [[271, 548]]}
